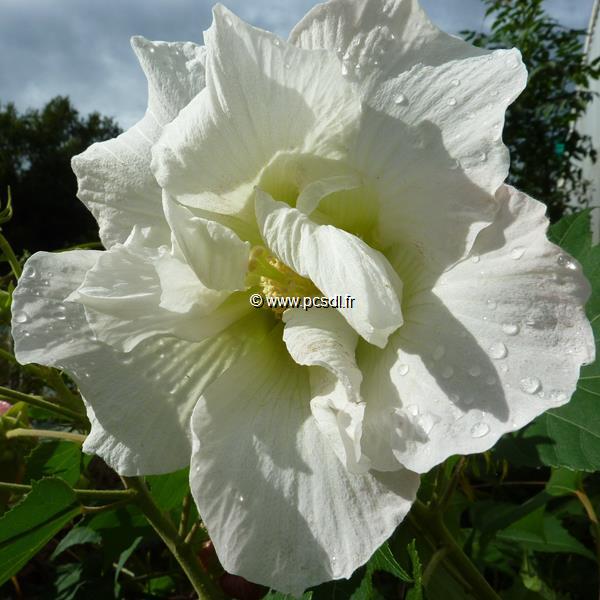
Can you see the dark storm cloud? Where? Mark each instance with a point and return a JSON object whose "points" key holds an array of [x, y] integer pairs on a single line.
{"points": [[80, 48]]}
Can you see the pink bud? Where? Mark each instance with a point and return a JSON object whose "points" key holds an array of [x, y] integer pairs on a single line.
{"points": [[4, 407]]}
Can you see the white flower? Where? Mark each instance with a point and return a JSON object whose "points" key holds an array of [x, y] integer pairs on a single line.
{"points": [[362, 157]]}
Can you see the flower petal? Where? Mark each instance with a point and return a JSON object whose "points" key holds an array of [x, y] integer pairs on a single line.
{"points": [[115, 181], [126, 302], [139, 404], [322, 338], [495, 341], [216, 254], [280, 507], [338, 263], [254, 82]]}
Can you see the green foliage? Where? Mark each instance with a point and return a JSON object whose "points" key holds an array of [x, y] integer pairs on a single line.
{"points": [[30, 525], [35, 161], [54, 458], [545, 148]]}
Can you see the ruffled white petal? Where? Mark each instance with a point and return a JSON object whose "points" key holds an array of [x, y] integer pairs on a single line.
{"points": [[338, 263], [433, 103], [139, 404], [496, 341], [215, 253], [241, 121], [115, 180], [322, 338], [133, 293], [280, 507]]}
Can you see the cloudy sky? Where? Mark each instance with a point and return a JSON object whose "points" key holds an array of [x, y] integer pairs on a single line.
{"points": [[80, 48]]}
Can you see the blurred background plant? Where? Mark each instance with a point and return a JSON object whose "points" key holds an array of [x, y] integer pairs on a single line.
{"points": [[525, 513], [546, 149]]}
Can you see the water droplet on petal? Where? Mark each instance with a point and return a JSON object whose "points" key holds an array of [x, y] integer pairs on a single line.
{"points": [[475, 258], [241, 498], [287, 66], [455, 164], [483, 157], [474, 371], [345, 70], [447, 372], [492, 304], [276, 42], [452, 101], [566, 262], [26, 334], [558, 396], [498, 350], [29, 272], [490, 380], [455, 82], [530, 385], [480, 429], [21, 317], [517, 252], [45, 282], [504, 368], [401, 99], [510, 328], [413, 410], [403, 369], [439, 352]]}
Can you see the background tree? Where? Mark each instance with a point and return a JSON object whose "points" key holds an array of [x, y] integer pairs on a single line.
{"points": [[545, 147], [35, 160]]}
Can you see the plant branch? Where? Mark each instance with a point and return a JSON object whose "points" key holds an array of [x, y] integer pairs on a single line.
{"points": [[13, 261], [39, 402], [432, 522], [46, 433], [203, 584], [107, 495]]}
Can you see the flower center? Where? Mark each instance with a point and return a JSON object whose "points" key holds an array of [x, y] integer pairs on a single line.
{"points": [[275, 279]]}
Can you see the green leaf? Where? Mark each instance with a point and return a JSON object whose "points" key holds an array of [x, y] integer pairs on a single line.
{"points": [[569, 436], [75, 537], [56, 459], [382, 560], [416, 593], [169, 490], [543, 532], [30, 525], [273, 595], [123, 558], [564, 482]]}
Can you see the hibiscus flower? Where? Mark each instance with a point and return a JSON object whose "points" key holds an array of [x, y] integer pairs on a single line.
{"points": [[361, 158]]}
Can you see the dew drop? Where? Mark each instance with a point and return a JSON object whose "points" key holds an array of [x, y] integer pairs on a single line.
{"points": [[517, 252], [29, 272], [26, 334], [447, 372], [475, 258], [452, 101], [492, 304], [530, 385], [21, 317], [439, 352], [480, 430], [45, 282], [61, 317], [403, 369], [413, 410], [483, 157], [504, 368], [276, 42], [455, 164], [564, 261], [558, 396], [490, 380], [498, 350], [241, 498], [474, 371], [510, 328], [455, 82], [345, 70], [401, 100]]}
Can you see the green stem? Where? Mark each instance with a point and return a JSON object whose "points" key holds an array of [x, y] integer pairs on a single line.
{"points": [[39, 402], [203, 584], [106, 495], [13, 261], [432, 522], [45, 433], [70, 400]]}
